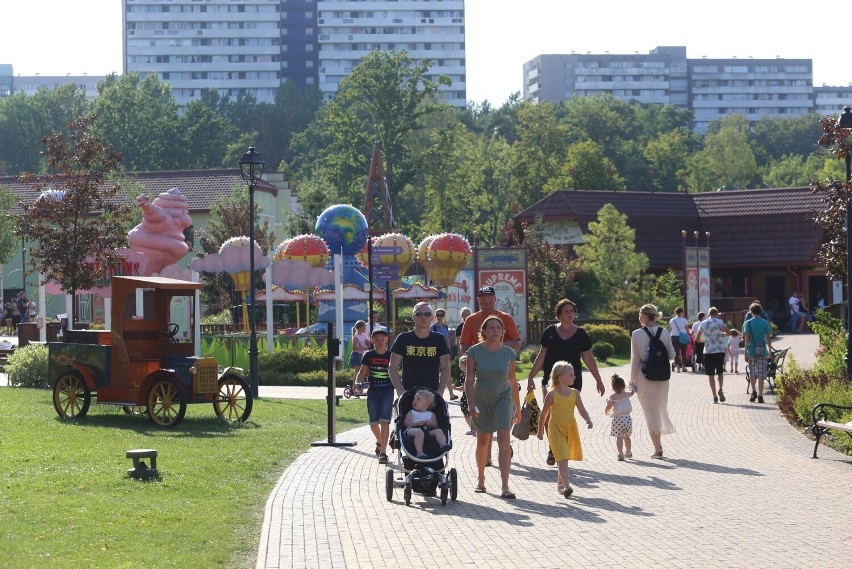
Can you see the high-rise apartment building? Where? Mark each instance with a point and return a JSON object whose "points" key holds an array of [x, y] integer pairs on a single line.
{"points": [[251, 46], [234, 47], [711, 88], [426, 29]]}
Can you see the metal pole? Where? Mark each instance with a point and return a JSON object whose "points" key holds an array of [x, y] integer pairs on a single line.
{"points": [[848, 268], [253, 340]]}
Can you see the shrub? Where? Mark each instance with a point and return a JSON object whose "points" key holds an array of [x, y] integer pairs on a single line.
{"points": [[616, 336], [528, 354], [602, 351], [224, 317], [27, 366], [304, 366]]}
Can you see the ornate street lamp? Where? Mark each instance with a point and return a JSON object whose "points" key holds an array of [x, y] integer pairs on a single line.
{"points": [[251, 168]]}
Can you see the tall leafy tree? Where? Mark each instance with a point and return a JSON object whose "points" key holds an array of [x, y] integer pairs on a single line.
{"points": [[539, 152], [387, 96], [609, 253], [727, 158], [549, 274], [8, 242], [666, 155], [586, 168], [208, 135], [139, 117], [82, 216]]}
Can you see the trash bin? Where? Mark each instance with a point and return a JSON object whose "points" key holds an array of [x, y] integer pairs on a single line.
{"points": [[53, 331], [27, 332]]}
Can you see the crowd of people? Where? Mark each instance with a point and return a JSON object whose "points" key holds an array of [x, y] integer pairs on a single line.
{"points": [[487, 342], [17, 310]]}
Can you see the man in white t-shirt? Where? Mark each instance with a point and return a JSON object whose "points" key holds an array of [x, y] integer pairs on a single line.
{"points": [[715, 342], [797, 317]]}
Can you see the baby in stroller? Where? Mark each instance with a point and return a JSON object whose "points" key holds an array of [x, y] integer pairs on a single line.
{"points": [[420, 421], [423, 438]]}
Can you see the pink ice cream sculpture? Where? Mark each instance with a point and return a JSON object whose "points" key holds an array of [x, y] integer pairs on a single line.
{"points": [[160, 235]]}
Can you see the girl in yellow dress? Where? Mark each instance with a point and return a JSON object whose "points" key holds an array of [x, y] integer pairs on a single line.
{"points": [[558, 415]]}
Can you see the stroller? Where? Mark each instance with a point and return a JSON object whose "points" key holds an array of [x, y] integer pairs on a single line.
{"points": [[690, 361], [423, 476]]}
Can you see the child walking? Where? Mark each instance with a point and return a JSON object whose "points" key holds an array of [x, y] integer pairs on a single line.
{"points": [[732, 353], [619, 408], [558, 415], [360, 343], [374, 369]]}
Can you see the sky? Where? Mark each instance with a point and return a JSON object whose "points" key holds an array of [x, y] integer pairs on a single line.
{"points": [[59, 37]]}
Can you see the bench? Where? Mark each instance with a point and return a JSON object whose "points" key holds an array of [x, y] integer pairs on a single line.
{"points": [[822, 424], [5, 352]]}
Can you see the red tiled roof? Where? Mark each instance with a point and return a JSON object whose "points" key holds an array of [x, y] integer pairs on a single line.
{"points": [[200, 187], [747, 227]]}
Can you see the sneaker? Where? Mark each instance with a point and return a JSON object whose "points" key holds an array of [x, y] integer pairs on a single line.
{"points": [[620, 457], [753, 397], [383, 458], [721, 396], [658, 454], [715, 400], [760, 398], [471, 432], [551, 460], [628, 454]]}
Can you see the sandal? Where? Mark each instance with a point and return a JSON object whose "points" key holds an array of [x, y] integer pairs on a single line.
{"points": [[507, 495], [378, 449], [550, 458], [479, 490]]}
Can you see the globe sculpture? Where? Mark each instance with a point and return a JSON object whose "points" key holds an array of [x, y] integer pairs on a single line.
{"points": [[447, 254], [342, 227]]}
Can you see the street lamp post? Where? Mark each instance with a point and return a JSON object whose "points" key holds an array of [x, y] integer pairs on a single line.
{"points": [[845, 121], [251, 168]]}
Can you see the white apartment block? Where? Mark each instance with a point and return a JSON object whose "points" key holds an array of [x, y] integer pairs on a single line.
{"points": [[711, 88], [425, 29], [229, 45], [831, 100]]}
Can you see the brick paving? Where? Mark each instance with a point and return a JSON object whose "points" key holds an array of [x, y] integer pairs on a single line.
{"points": [[737, 489]]}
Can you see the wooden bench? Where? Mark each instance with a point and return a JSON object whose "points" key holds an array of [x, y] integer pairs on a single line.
{"points": [[821, 423], [4, 357]]}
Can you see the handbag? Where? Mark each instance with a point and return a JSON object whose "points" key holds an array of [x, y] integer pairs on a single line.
{"points": [[529, 418], [521, 430], [684, 338]]}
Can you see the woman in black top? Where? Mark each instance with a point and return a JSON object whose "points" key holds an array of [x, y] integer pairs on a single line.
{"points": [[564, 341]]}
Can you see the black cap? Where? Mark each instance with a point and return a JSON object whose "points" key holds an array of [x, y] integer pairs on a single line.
{"points": [[486, 290]]}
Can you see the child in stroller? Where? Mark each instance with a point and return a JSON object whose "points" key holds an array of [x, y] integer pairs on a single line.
{"points": [[421, 421], [425, 469]]}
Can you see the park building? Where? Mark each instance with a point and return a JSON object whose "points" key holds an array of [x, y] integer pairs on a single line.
{"points": [[710, 88], [252, 46]]}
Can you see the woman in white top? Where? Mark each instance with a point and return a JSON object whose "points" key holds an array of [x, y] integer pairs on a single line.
{"points": [[677, 326], [653, 395]]}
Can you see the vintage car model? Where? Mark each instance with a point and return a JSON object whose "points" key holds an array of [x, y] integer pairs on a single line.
{"points": [[147, 360]]}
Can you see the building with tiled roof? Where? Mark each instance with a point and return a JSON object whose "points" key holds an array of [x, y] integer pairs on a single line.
{"points": [[763, 243]]}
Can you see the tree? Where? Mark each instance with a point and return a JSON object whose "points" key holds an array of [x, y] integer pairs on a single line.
{"points": [[539, 152], [386, 97], [609, 253], [8, 242], [586, 168], [139, 117], [81, 217], [727, 159], [549, 273], [229, 217], [667, 292], [667, 155], [208, 135]]}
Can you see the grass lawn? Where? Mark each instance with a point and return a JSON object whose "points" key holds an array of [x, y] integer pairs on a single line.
{"points": [[67, 500]]}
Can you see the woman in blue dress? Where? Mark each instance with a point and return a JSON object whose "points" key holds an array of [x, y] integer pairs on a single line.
{"points": [[493, 399]]}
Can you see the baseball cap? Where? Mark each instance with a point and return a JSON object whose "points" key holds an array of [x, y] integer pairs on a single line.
{"points": [[379, 330], [486, 290]]}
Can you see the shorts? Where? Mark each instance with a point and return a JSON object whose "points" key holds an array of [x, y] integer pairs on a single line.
{"points": [[622, 426], [355, 359], [714, 364], [380, 404], [759, 366]]}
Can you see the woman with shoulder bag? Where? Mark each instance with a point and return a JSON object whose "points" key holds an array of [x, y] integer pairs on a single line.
{"points": [[680, 339]]}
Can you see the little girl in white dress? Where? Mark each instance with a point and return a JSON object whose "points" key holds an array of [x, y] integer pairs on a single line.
{"points": [[732, 353]]}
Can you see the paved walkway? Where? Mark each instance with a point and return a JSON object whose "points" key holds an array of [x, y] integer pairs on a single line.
{"points": [[738, 489]]}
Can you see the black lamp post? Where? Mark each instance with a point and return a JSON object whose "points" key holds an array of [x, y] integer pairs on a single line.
{"points": [[251, 168], [845, 121]]}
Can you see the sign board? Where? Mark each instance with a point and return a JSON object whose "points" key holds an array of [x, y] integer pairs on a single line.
{"points": [[505, 269]]}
